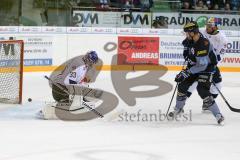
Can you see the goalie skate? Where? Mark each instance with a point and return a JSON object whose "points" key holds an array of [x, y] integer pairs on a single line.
{"points": [[47, 112], [78, 105]]}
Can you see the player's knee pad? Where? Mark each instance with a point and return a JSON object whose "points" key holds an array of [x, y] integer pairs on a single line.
{"points": [[181, 96], [208, 101], [205, 78], [60, 97], [183, 88], [203, 90]]}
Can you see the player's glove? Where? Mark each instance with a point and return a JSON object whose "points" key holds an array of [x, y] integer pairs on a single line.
{"points": [[184, 74]]}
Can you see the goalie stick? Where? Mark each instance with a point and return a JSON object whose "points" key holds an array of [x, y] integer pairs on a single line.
{"points": [[70, 110], [229, 106]]}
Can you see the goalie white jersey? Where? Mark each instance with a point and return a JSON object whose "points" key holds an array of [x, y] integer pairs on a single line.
{"points": [[76, 76], [74, 72], [218, 41]]}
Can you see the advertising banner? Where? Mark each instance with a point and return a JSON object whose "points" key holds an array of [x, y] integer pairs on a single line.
{"points": [[9, 29], [171, 51], [37, 50], [96, 19], [138, 50], [51, 46], [232, 55], [111, 19], [136, 20], [177, 20]]}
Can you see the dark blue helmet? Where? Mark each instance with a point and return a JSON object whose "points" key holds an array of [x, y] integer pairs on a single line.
{"points": [[92, 56]]}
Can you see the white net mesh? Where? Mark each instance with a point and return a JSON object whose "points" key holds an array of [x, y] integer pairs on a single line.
{"points": [[10, 71]]}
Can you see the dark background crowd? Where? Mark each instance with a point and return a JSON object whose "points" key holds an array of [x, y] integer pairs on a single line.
{"points": [[161, 5], [59, 12], [225, 5]]}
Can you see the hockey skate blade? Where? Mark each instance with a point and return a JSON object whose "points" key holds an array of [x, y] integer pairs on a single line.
{"points": [[221, 124]]}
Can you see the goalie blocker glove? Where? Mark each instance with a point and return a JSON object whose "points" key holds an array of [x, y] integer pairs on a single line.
{"points": [[182, 76]]}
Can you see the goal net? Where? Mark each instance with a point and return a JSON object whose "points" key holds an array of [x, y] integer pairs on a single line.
{"points": [[11, 71]]}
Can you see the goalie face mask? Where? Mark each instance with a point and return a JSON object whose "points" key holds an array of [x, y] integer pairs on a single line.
{"points": [[91, 57], [212, 25]]}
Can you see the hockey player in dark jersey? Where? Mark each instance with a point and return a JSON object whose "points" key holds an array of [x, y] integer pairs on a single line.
{"points": [[201, 65], [219, 43]]}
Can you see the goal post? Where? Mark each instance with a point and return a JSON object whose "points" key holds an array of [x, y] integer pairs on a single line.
{"points": [[11, 71]]}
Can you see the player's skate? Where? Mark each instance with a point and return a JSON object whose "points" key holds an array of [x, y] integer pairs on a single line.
{"points": [[175, 112], [205, 109], [220, 119]]}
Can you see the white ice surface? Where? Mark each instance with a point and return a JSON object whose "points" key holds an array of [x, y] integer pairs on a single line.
{"points": [[23, 137]]}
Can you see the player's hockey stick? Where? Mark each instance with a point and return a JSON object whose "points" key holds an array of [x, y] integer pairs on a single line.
{"points": [[172, 99], [229, 106], [70, 110], [174, 92]]}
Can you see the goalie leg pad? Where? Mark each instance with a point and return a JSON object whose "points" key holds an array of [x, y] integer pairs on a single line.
{"points": [[58, 94], [47, 112]]}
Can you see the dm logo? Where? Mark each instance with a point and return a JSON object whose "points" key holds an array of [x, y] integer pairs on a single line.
{"points": [[201, 21], [86, 18], [134, 19]]}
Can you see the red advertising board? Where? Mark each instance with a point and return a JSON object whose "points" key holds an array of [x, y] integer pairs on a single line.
{"points": [[138, 50]]}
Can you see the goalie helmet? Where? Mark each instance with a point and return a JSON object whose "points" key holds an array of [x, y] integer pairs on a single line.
{"points": [[214, 22], [191, 27], [92, 57]]}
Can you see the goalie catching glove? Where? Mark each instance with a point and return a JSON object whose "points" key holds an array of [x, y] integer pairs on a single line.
{"points": [[85, 80], [184, 74]]}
